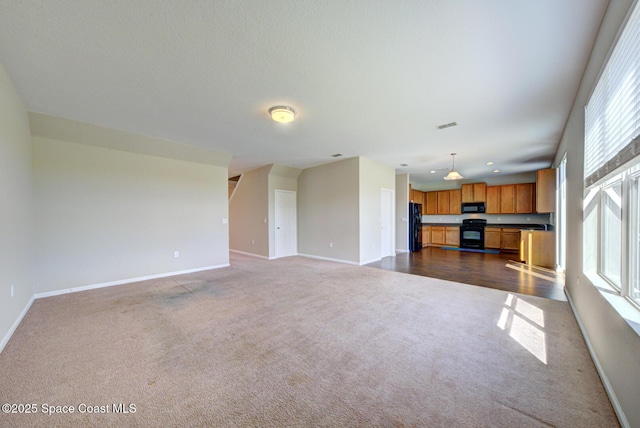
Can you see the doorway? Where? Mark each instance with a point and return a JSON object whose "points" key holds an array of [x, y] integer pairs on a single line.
{"points": [[286, 225]]}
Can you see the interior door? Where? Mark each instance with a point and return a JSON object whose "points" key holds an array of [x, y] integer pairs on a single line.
{"points": [[286, 226], [387, 220]]}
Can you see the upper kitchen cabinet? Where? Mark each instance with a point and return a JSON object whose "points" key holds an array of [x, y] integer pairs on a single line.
{"points": [[430, 206], [508, 199], [455, 202], [418, 197], [546, 191], [493, 200], [475, 192], [524, 198], [516, 198], [443, 202]]}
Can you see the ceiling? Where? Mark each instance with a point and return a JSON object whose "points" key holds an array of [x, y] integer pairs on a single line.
{"points": [[369, 78]]}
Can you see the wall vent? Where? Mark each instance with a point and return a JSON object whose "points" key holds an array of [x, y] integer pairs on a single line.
{"points": [[447, 125]]}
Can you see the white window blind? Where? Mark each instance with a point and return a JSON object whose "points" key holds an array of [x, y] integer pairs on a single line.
{"points": [[612, 115]]}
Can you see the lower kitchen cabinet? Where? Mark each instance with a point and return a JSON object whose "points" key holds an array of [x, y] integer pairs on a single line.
{"points": [[438, 235], [492, 237], [538, 248], [426, 235], [511, 239], [452, 236]]}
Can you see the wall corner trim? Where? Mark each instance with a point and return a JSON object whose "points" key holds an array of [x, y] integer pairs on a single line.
{"points": [[15, 325]]}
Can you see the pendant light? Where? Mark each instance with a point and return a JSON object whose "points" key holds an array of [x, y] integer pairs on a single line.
{"points": [[453, 174]]}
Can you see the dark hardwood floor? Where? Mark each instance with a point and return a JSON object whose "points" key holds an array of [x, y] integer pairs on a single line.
{"points": [[497, 271]]}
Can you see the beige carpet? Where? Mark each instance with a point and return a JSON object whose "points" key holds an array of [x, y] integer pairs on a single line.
{"points": [[300, 342]]}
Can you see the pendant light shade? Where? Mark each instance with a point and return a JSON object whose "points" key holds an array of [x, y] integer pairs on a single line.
{"points": [[453, 174]]}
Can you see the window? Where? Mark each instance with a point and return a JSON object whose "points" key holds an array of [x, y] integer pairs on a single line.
{"points": [[610, 256], [634, 239], [612, 171]]}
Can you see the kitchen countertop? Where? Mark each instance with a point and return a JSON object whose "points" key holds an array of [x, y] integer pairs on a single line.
{"points": [[526, 226]]}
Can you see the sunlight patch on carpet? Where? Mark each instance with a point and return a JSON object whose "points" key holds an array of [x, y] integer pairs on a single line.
{"points": [[524, 323]]}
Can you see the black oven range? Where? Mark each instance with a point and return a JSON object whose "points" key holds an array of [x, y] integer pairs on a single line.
{"points": [[472, 233]]}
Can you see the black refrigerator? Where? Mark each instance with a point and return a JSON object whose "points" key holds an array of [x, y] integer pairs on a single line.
{"points": [[415, 226]]}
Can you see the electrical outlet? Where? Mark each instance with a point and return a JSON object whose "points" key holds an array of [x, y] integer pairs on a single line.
{"points": [[528, 218], [12, 290], [330, 244], [176, 254], [253, 242], [225, 221]]}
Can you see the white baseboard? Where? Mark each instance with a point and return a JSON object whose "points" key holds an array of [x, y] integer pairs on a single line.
{"points": [[603, 376], [370, 261], [329, 259], [250, 254], [124, 281], [15, 325], [401, 251]]}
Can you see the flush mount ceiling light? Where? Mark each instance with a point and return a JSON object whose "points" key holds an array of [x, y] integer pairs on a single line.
{"points": [[453, 174], [282, 114]]}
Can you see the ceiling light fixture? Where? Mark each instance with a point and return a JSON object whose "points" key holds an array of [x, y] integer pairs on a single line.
{"points": [[489, 163], [453, 174], [282, 114]]}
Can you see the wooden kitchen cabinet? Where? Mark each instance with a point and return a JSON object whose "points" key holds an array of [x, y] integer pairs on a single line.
{"points": [[508, 199], [452, 236], [418, 197], [443, 202], [426, 236], [524, 198], [492, 237], [438, 235], [492, 205], [430, 206], [546, 191], [474, 192], [510, 239], [538, 248], [455, 201]]}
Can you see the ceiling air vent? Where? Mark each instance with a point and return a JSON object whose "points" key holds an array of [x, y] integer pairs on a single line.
{"points": [[447, 125], [337, 155]]}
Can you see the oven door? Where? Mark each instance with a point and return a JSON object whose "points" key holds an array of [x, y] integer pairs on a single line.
{"points": [[472, 237]]}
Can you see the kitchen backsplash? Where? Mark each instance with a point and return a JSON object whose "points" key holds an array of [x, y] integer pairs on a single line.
{"points": [[491, 218]]}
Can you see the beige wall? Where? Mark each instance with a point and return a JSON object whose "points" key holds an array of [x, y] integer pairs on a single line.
{"points": [[373, 176], [339, 209], [249, 213], [105, 215], [280, 178], [328, 211], [615, 344], [16, 221]]}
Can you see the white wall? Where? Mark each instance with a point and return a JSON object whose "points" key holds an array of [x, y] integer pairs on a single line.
{"points": [[328, 211], [106, 215], [402, 212], [16, 209], [615, 344], [373, 176], [249, 213]]}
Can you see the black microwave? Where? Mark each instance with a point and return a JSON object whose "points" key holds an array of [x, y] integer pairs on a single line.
{"points": [[472, 207]]}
